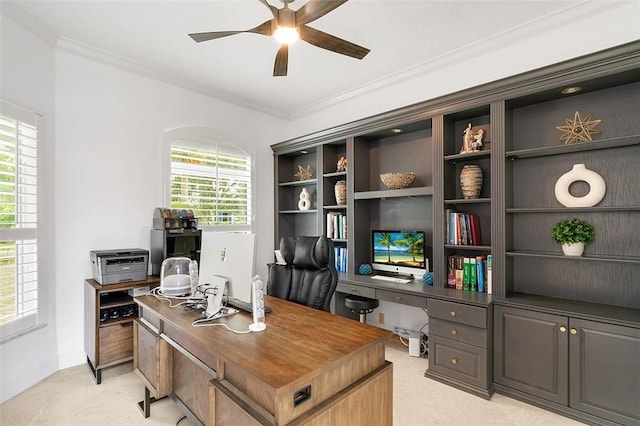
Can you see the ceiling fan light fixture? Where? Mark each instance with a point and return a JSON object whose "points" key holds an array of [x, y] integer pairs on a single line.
{"points": [[286, 35]]}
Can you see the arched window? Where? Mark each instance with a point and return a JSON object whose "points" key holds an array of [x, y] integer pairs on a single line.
{"points": [[211, 177]]}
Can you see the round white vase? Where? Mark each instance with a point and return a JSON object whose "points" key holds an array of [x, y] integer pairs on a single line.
{"points": [[579, 172], [573, 249]]}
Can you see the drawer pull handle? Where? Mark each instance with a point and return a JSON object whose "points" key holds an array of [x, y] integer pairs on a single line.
{"points": [[454, 361], [398, 298], [353, 289], [563, 329], [453, 313], [454, 332], [574, 331]]}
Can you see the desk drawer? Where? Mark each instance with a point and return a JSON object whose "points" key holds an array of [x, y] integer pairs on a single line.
{"points": [[116, 342], [457, 312], [458, 360], [405, 299], [356, 289], [458, 332]]}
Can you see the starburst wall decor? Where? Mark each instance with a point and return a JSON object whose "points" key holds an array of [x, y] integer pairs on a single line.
{"points": [[579, 129]]}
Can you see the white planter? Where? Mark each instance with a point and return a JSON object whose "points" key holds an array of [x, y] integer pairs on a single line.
{"points": [[574, 249]]}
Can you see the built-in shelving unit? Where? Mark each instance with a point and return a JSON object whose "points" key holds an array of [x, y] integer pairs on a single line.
{"points": [[570, 308]]}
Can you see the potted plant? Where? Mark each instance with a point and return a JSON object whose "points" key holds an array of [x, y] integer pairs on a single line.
{"points": [[573, 234]]}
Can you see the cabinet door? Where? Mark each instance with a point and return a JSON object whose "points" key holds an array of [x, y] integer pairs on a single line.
{"points": [[605, 370], [531, 353]]}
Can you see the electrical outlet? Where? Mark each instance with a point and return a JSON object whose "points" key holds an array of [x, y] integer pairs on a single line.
{"points": [[380, 318]]}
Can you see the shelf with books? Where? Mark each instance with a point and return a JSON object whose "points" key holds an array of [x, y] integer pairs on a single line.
{"points": [[470, 273]]}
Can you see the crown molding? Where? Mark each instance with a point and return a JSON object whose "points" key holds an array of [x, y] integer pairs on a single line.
{"points": [[543, 24], [15, 13]]}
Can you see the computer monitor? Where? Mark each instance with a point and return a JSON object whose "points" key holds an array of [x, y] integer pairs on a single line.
{"points": [[230, 255]]}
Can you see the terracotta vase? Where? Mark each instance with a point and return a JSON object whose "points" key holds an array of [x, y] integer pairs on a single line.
{"points": [[471, 181]]}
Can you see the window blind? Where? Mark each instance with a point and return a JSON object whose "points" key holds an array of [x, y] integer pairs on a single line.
{"points": [[19, 167], [215, 183]]}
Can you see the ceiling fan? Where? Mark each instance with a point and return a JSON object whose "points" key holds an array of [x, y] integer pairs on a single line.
{"points": [[288, 25]]}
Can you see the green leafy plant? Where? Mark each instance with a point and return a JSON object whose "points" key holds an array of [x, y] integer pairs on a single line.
{"points": [[570, 231]]}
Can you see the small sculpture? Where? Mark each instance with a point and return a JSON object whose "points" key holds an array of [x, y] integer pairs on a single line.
{"points": [[342, 164], [305, 200], [304, 173], [472, 140], [579, 129]]}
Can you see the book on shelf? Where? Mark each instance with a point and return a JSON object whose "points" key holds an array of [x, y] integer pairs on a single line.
{"points": [[463, 228], [340, 254], [459, 271], [466, 274], [481, 264], [473, 275], [489, 283], [451, 272], [336, 225]]}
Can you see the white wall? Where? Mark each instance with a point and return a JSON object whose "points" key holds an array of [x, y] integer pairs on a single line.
{"points": [[27, 80], [109, 176]]}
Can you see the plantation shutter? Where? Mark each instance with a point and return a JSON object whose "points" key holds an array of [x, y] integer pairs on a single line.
{"points": [[215, 183], [19, 197]]}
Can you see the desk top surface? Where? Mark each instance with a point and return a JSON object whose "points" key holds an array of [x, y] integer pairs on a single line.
{"points": [[297, 342]]}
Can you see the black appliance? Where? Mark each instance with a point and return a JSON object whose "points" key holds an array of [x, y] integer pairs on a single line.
{"points": [[174, 243]]}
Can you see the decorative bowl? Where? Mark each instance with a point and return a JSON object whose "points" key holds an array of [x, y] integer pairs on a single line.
{"points": [[397, 180]]}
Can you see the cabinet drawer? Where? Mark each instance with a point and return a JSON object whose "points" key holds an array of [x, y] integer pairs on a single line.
{"points": [[355, 289], [457, 360], [457, 312], [116, 342], [405, 299], [458, 332]]}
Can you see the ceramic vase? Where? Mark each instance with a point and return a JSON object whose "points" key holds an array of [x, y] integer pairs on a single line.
{"points": [[573, 249], [341, 192], [305, 200], [471, 181], [579, 172]]}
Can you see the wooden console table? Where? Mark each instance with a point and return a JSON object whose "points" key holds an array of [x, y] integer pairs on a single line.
{"points": [[307, 367]]}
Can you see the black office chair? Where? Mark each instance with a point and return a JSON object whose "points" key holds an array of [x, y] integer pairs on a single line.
{"points": [[309, 276]]}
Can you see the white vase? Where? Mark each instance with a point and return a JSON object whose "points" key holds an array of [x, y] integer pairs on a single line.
{"points": [[579, 172], [573, 249], [305, 200]]}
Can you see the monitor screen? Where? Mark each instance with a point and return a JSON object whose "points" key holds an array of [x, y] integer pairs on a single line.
{"points": [[398, 248], [230, 255]]}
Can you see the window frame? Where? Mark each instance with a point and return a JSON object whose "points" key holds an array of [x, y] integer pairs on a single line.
{"points": [[205, 138], [38, 319]]}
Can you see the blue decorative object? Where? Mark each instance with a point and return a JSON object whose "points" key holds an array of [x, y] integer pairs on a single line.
{"points": [[427, 278], [365, 269]]}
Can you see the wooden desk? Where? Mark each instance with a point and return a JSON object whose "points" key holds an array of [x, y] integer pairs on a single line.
{"points": [[308, 367]]}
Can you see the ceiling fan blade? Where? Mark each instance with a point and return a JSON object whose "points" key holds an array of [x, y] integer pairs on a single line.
{"points": [[273, 9], [315, 9], [327, 41], [266, 28], [282, 60]]}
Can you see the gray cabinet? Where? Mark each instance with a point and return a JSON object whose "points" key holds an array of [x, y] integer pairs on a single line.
{"points": [[579, 367], [459, 346]]}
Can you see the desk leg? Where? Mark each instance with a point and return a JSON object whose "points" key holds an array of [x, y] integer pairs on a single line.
{"points": [[145, 404]]}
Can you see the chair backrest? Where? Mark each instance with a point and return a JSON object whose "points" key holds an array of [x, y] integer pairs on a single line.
{"points": [[309, 276]]}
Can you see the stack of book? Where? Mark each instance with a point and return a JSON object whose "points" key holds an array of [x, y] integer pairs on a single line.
{"points": [[463, 229], [470, 273], [336, 226]]}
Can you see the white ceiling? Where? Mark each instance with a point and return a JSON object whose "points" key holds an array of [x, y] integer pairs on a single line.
{"points": [[151, 36]]}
